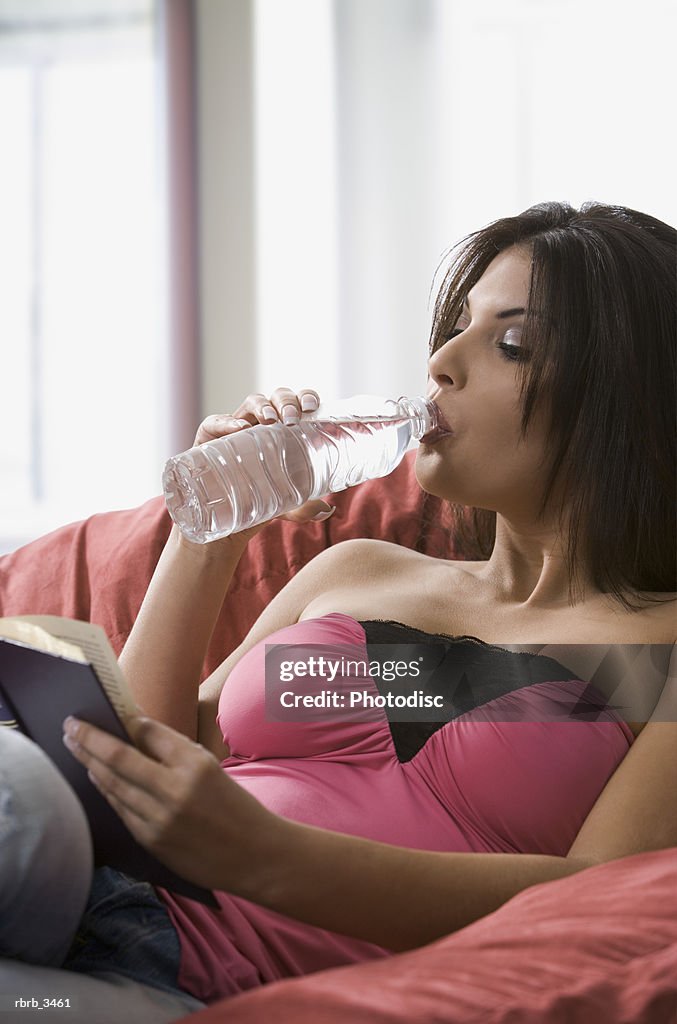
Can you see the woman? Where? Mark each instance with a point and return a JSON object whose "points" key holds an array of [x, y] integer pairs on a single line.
{"points": [[552, 361]]}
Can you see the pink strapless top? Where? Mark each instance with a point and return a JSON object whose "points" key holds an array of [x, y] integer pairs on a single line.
{"points": [[475, 782]]}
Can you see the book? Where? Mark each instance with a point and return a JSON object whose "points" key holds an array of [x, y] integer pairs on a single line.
{"points": [[52, 667]]}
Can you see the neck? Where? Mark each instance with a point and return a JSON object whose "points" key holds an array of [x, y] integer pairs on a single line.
{"points": [[528, 566]]}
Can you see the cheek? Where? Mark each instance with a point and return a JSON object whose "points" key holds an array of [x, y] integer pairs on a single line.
{"points": [[486, 460], [485, 468]]}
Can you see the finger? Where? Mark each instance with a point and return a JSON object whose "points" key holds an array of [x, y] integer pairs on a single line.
{"points": [[270, 409], [146, 797], [93, 747], [136, 822], [121, 794], [294, 404], [164, 744], [140, 823], [220, 425], [309, 399], [287, 404], [258, 408], [315, 511]]}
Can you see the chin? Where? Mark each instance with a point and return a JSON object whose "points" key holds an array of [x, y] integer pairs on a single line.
{"points": [[433, 475]]}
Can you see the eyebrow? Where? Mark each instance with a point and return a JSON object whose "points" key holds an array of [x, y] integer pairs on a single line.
{"points": [[505, 313], [509, 312]]}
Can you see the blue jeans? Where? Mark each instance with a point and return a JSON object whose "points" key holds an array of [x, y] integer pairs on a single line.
{"points": [[126, 928], [55, 910]]}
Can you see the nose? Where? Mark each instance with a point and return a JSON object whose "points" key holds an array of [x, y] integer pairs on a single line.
{"points": [[446, 366]]}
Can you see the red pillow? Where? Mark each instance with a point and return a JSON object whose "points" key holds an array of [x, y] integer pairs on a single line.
{"points": [[99, 569], [597, 947]]}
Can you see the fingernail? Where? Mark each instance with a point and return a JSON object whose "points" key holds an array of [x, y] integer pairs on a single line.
{"points": [[321, 516], [289, 414], [268, 413], [70, 726], [70, 743], [308, 402]]}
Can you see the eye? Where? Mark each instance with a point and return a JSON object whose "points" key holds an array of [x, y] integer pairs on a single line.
{"points": [[511, 345], [458, 329]]}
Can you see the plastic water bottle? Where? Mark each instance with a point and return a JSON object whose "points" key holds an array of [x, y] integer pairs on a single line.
{"points": [[246, 478]]}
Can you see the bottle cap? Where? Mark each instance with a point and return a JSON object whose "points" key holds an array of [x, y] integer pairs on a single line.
{"points": [[424, 414]]}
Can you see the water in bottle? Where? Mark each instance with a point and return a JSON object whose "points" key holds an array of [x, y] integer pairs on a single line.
{"points": [[246, 478]]}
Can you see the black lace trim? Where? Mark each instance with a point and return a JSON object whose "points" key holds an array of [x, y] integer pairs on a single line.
{"points": [[465, 671]]}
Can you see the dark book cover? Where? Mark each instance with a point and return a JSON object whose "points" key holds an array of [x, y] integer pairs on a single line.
{"points": [[38, 690]]}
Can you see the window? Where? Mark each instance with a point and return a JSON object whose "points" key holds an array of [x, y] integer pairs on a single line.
{"points": [[81, 315]]}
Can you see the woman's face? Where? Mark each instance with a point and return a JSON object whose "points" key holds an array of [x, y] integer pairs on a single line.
{"points": [[473, 377]]}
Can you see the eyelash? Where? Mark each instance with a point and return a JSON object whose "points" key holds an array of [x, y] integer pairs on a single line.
{"points": [[513, 353]]}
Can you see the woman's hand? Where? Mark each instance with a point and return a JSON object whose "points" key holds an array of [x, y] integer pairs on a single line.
{"points": [[178, 803], [164, 654], [285, 406], [181, 806]]}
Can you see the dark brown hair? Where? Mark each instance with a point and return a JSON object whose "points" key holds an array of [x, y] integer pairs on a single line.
{"points": [[601, 329]]}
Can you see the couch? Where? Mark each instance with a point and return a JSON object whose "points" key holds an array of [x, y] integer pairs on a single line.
{"points": [[599, 946]]}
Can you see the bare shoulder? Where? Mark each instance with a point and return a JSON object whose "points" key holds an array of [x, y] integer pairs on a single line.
{"points": [[365, 577], [360, 554], [384, 551], [667, 612], [651, 619], [660, 618], [360, 559], [374, 547]]}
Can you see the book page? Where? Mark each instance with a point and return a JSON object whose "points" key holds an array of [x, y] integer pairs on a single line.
{"points": [[37, 637], [96, 649]]}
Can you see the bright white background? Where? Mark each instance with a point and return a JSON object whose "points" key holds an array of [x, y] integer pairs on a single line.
{"points": [[446, 114], [342, 147], [81, 308]]}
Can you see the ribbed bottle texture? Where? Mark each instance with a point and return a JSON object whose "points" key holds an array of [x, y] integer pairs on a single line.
{"points": [[246, 478]]}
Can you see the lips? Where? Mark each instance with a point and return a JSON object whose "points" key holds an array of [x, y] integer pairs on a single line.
{"points": [[434, 436], [438, 432]]}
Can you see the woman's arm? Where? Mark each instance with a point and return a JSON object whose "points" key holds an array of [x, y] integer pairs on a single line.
{"points": [[637, 809], [164, 654], [168, 792], [177, 802], [163, 657]]}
